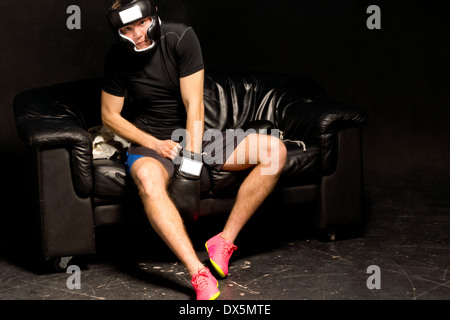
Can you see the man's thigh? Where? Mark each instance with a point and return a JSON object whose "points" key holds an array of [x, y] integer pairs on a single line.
{"points": [[254, 149], [244, 156], [138, 152]]}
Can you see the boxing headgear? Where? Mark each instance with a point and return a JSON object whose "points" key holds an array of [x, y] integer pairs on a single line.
{"points": [[131, 12]]}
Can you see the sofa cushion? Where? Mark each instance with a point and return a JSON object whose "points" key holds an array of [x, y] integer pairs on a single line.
{"points": [[233, 100], [110, 178], [302, 166], [112, 183]]}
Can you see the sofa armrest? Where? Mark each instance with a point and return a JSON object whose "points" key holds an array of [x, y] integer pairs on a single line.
{"points": [[44, 121], [318, 121]]}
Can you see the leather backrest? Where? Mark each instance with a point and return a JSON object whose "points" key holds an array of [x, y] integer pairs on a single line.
{"points": [[232, 100]]}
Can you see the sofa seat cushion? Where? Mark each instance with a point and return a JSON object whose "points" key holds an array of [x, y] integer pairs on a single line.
{"points": [[302, 166], [111, 183], [110, 178]]}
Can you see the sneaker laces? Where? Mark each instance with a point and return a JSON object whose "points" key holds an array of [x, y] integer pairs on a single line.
{"points": [[227, 250], [200, 280]]}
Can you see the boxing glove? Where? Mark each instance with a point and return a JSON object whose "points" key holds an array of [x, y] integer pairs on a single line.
{"points": [[184, 187]]}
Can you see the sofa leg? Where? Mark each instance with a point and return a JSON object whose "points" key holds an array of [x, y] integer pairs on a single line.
{"points": [[60, 264], [327, 234], [332, 235]]}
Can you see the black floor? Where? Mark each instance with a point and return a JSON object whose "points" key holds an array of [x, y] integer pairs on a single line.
{"points": [[407, 236]]}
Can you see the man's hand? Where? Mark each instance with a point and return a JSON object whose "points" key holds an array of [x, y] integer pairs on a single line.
{"points": [[167, 148]]}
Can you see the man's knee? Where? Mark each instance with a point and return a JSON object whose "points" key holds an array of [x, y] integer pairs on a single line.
{"points": [[272, 154], [150, 178]]}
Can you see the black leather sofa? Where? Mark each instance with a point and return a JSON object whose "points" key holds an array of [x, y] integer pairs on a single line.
{"points": [[75, 194]]}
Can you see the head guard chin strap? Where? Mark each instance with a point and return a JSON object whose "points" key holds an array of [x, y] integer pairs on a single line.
{"points": [[131, 12]]}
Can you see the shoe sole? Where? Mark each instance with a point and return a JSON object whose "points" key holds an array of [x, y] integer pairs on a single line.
{"points": [[215, 265], [215, 296]]}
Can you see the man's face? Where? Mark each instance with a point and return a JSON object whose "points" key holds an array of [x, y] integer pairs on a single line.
{"points": [[137, 31]]}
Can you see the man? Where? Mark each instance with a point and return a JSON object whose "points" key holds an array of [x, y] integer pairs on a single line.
{"points": [[159, 67]]}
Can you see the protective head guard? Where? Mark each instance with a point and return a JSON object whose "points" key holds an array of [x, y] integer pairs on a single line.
{"points": [[130, 12]]}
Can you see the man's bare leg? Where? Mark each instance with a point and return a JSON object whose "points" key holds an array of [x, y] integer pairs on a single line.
{"points": [[258, 184], [152, 179]]}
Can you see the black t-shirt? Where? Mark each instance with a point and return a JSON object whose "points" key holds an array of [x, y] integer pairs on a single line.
{"points": [[151, 81]]}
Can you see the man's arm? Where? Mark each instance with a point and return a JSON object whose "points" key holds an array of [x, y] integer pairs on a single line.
{"points": [[191, 88], [111, 108]]}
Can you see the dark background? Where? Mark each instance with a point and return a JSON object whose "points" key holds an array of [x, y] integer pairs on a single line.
{"points": [[398, 75]]}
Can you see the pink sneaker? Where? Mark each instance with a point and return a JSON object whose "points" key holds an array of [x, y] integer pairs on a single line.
{"points": [[205, 285], [220, 251]]}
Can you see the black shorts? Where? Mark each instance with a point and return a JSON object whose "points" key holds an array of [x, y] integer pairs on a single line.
{"points": [[216, 150]]}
